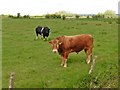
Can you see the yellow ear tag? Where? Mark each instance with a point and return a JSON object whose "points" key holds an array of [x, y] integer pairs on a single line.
{"points": [[60, 43]]}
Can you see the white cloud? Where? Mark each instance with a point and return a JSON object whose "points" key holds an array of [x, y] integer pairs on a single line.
{"points": [[34, 7]]}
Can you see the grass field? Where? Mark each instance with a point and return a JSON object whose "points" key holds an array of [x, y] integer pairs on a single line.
{"points": [[0, 52], [35, 66]]}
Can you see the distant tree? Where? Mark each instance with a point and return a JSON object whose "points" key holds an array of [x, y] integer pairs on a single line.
{"points": [[63, 17], [77, 16], [67, 14], [88, 16], [95, 17], [26, 16], [10, 16], [58, 16], [100, 15], [54, 16], [47, 16], [109, 14], [118, 21], [18, 15], [106, 14]]}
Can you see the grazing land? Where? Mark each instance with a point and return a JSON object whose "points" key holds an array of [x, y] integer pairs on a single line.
{"points": [[1, 64], [35, 66]]}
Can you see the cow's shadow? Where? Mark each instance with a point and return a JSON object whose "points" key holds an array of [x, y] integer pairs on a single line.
{"points": [[76, 58], [42, 39]]}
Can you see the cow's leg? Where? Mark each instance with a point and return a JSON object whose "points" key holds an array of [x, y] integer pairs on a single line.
{"points": [[47, 38], [62, 63], [36, 35], [44, 36], [85, 51], [89, 55], [65, 59], [40, 35], [65, 62], [86, 54]]}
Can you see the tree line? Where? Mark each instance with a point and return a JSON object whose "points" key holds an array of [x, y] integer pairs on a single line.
{"points": [[19, 16], [64, 15]]}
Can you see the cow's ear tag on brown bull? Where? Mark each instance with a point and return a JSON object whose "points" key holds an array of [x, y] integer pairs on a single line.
{"points": [[60, 43]]}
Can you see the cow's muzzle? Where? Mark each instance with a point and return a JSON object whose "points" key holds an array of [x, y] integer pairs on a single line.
{"points": [[55, 50]]}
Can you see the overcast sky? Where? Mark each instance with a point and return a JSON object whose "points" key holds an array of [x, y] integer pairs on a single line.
{"points": [[39, 7]]}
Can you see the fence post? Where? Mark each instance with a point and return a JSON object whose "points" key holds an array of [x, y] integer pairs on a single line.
{"points": [[11, 81], [92, 66]]}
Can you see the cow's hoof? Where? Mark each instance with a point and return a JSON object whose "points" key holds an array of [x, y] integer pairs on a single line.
{"points": [[65, 65], [36, 37], [88, 62], [61, 64]]}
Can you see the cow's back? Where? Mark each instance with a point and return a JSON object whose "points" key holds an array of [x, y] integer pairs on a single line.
{"points": [[78, 42], [86, 39], [38, 29]]}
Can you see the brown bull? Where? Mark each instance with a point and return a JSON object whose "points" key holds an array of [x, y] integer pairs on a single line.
{"points": [[67, 44]]}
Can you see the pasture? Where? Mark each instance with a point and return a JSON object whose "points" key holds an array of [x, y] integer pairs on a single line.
{"points": [[36, 66]]}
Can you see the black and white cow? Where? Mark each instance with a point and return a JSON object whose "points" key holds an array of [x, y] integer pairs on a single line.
{"points": [[43, 31]]}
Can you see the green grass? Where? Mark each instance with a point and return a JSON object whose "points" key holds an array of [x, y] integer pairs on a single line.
{"points": [[35, 65], [0, 52]]}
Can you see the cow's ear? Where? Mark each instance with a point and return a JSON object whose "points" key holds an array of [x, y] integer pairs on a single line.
{"points": [[50, 42]]}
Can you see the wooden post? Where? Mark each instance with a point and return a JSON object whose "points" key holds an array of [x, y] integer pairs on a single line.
{"points": [[92, 66], [11, 82]]}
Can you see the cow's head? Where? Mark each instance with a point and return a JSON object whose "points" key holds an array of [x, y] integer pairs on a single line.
{"points": [[55, 45]]}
